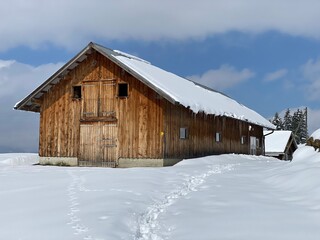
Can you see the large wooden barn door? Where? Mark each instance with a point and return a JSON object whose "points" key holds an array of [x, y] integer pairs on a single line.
{"points": [[98, 128], [98, 144]]}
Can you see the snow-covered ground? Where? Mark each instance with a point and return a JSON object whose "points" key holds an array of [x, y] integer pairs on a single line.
{"points": [[218, 197]]}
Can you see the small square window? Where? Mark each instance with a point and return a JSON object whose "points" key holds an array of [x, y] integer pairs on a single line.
{"points": [[243, 140], [218, 137], [76, 92], [123, 90], [183, 133]]}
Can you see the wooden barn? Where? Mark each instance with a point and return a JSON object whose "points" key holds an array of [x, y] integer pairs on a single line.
{"points": [[280, 144], [111, 109]]}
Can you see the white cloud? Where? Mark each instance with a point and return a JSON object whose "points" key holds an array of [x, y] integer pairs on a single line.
{"points": [[270, 77], [20, 129], [311, 72], [311, 69], [73, 23], [313, 120], [5, 63], [224, 77]]}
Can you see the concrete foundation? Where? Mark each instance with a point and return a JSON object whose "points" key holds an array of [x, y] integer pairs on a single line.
{"points": [[122, 162], [70, 161], [145, 162]]}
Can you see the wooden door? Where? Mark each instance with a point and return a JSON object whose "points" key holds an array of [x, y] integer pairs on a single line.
{"points": [[89, 137], [90, 107], [107, 99], [253, 145], [109, 144], [98, 144]]}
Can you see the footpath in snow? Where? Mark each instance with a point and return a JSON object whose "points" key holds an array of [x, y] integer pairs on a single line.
{"points": [[216, 197]]}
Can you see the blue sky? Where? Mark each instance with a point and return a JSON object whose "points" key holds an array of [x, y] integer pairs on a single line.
{"points": [[261, 53]]}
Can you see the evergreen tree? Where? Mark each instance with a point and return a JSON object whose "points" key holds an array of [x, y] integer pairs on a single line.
{"points": [[299, 126], [296, 122], [303, 126], [287, 121], [277, 121], [295, 125]]}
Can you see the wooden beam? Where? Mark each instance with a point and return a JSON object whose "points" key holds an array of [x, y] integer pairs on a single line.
{"points": [[36, 101]]}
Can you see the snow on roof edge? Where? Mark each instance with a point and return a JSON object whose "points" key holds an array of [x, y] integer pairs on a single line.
{"points": [[131, 56], [159, 79]]}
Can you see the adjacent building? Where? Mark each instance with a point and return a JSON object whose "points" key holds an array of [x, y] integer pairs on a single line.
{"points": [[280, 144]]}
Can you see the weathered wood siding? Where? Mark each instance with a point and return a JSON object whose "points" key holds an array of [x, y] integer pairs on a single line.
{"points": [[202, 129], [140, 121], [60, 122], [138, 117]]}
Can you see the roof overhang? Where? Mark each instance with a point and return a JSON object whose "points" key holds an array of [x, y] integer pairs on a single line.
{"points": [[32, 103]]}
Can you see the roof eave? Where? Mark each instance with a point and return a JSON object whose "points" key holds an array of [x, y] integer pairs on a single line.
{"points": [[22, 105], [28, 103]]}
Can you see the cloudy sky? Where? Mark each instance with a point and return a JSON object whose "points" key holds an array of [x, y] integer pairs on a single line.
{"points": [[265, 54]]}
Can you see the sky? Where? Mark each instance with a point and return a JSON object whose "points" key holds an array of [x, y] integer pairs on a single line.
{"points": [[265, 54]]}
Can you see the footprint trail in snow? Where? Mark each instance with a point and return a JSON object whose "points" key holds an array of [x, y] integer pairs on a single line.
{"points": [[148, 224], [76, 185]]}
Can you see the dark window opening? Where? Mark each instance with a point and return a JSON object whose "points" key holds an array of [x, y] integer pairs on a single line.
{"points": [[123, 90], [76, 92], [243, 140], [183, 133], [218, 137]]}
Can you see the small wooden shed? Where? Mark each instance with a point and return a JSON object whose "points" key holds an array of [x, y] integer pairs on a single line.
{"points": [[280, 144], [111, 109]]}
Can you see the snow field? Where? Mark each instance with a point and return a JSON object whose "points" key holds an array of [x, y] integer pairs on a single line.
{"points": [[216, 197]]}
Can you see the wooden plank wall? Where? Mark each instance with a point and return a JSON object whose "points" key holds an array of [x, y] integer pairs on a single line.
{"points": [[139, 117], [60, 113], [201, 134], [140, 122]]}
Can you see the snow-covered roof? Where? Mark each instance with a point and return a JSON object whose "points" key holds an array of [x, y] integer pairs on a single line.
{"points": [[277, 141], [175, 89]]}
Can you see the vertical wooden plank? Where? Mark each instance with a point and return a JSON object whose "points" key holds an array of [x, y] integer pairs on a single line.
{"points": [[107, 99], [90, 99], [143, 118]]}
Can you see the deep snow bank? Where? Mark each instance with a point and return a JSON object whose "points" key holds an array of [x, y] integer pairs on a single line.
{"points": [[305, 156], [301, 176], [316, 134]]}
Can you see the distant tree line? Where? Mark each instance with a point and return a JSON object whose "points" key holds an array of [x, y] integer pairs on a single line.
{"points": [[295, 122]]}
